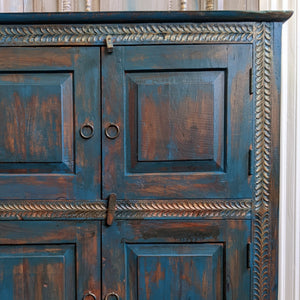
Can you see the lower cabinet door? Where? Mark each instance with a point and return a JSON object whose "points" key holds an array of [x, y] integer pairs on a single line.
{"points": [[49, 260], [150, 260]]}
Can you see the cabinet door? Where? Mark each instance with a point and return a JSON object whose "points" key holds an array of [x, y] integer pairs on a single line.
{"points": [[49, 260], [177, 121], [50, 123], [203, 260]]}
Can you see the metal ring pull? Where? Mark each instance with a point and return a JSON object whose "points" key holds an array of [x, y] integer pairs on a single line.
{"points": [[112, 131], [110, 295], [89, 294], [87, 131]]}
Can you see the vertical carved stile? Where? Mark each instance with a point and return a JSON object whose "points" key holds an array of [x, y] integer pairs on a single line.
{"points": [[261, 226]]}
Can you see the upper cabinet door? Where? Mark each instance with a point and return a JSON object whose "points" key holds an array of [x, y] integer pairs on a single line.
{"points": [[177, 121], [50, 123]]}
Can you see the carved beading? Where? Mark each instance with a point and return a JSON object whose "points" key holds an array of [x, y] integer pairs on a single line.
{"points": [[125, 209], [96, 34], [261, 223]]}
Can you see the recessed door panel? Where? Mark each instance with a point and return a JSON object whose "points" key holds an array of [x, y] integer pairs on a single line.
{"points": [[47, 260], [50, 120], [37, 112], [155, 259], [179, 119], [175, 271], [176, 121], [39, 272]]}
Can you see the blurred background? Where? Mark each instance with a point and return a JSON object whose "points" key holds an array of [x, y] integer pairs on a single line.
{"points": [[113, 5]]}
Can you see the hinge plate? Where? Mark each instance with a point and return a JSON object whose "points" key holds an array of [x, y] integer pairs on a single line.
{"points": [[249, 255], [250, 161], [251, 81]]}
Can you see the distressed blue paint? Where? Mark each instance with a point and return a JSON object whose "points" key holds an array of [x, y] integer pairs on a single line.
{"points": [[176, 260], [37, 272], [139, 153], [176, 271], [46, 96]]}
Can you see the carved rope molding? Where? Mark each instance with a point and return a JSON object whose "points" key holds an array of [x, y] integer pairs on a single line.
{"points": [[26, 35], [261, 204], [125, 209]]}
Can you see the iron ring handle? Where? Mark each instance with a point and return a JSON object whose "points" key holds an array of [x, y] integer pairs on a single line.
{"points": [[111, 126], [84, 135], [89, 294], [112, 294]]}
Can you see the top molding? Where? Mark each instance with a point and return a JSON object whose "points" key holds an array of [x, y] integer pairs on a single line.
{"points": [[144, 17]]}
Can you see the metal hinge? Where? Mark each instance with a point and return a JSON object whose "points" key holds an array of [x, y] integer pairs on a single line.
{"points": [[109, 44], [251, 81], [250, 161], [111, 208], [249, 255]]}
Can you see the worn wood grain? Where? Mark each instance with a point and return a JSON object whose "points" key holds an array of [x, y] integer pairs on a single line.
{"points": [[171, 260], [162, 125], [187, 118], [37, 272], [49, 260], [47, 96]]}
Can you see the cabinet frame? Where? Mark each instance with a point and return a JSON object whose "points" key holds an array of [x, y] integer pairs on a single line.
{"points": [[263, 31]]}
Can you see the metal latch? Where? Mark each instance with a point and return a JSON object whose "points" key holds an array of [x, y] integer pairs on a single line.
{"points": [[111, 208], [109, 44]]}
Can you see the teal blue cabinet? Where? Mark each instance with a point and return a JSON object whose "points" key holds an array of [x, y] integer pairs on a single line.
{"points": [[49, 107], [179, 110], [49, 260], [171, 260], [139, 155]]}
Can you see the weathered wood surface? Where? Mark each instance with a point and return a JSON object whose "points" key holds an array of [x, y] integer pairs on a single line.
{"points": [[138, 81], [47, 95], [49, 260], [171, 260], [181, 132]]}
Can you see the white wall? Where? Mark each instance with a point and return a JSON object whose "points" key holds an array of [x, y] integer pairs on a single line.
{"points": [[289, 233]]}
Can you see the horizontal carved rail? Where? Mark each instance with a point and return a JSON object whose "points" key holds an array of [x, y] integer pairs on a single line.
{"points": [[95, 34], [126, 209]]}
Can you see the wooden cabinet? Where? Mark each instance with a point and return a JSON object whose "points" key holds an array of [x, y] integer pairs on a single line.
{"points": [[176, 260], [49, 108], [139, 155], [49, 260], [179, 110]]}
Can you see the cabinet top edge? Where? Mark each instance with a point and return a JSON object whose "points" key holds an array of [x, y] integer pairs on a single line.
{"points": [[144, 17]]}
